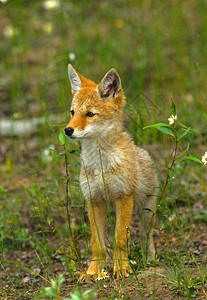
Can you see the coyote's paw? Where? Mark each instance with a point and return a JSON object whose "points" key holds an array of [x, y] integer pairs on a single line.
{"points": [[92, 273], [121, 268], [84, 277]]}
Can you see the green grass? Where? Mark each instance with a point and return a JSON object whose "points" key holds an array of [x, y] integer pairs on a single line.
{"points": [[158, 48]]}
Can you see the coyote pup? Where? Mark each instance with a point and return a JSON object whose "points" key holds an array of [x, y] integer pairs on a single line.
{"points": [[113, 170]]}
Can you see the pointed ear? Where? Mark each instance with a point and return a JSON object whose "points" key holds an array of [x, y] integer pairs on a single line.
{"points": [[110, 85], [75, 80]]}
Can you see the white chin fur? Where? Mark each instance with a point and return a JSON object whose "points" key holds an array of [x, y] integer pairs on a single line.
{"points": [[78, 134], [93, 131]]}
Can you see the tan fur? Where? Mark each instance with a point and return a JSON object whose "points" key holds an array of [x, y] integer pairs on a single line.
{"points": [[114, 172]]}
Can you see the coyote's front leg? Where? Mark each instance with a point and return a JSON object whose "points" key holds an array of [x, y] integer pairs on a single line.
{"points": [[124, 207], [97, 218]]}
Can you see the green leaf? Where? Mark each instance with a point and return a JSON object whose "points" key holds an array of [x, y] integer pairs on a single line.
{"points": [[49, 292], [60, 281], [192, 158], [53, 284], [171, 174], [62, 138], [61, 153], [89, 294], [165, 130], [76, 153], [69, 140], [74, 165], [161, 127], [186, 148], [183, 151], [72, 183], [157, 125], [73, 265], [76, 295], [49, 221], [181, 135]]}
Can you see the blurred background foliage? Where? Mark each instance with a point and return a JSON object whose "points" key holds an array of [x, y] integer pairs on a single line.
{"points": [[158, 47], [159, 50]]}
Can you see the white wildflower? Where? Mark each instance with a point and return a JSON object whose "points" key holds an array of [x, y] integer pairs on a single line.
{"points": [[102, 275], [10, 31], [133, 262], [72, 56], [48, 28], [47, 154], [3, 1], [51, 4], [172, 119], [171, 218], [204, 158]]}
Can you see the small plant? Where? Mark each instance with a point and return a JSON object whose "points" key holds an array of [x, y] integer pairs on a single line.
{"points": [[182, 281], [67, 204], [87, 295], [178, 153], [54, 292]]}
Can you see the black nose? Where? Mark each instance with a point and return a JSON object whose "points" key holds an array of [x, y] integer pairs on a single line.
{"points": [[69, 131]]}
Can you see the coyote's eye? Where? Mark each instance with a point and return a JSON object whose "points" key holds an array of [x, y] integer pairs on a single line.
{"points": [[90, 114], [72, 112]]}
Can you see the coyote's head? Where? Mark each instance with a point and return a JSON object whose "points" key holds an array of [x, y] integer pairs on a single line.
{"points": [[96, 110]]}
